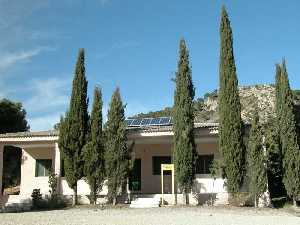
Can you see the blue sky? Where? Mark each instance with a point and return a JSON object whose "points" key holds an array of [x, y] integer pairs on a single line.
{"points": [[133, 44]]}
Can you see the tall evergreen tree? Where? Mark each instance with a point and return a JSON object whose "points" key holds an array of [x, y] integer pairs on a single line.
{"points": [[94, 167], [289, 140], [274, 159], [230, 123], [256, 163], [74, 128], [117, 154], [183, 118], [278, 95], [273, 143]]}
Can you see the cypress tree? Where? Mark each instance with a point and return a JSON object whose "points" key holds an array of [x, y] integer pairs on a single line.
{"points": [[256, 162], [230, 123], [117, 155], [289, 140], [183, 119], [273, 143], [94, 167], [278, 94], [74, 128], [274, 159]]}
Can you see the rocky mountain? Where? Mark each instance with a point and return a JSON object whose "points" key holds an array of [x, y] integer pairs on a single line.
{"points": [[260, 96]]}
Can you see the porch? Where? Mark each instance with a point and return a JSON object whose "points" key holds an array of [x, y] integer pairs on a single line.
{"points": [[153, 148]]}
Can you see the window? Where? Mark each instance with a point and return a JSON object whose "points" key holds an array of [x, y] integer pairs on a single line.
{"points": [[203, 164], [43, 167], [156, 164]]}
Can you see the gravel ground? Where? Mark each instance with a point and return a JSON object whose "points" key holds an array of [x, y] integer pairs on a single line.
{"points": [[164, 216]]}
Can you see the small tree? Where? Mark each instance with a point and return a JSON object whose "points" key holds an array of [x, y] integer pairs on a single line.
{"points": [[73, 129], [256, 163], [117, 154], [53, 181], [12, 119], [183, 118], [94, 168]]}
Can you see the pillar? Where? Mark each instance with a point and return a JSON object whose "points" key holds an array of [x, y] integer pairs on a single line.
{"points": [[1, 167], [57, 161]]}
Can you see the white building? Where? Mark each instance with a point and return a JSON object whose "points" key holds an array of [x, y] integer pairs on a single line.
{"points": [[153, 146]]}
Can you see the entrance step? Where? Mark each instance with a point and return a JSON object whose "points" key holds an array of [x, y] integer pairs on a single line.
{"points": [[145, 203]]}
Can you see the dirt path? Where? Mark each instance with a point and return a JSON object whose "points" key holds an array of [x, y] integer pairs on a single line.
{"points": [[156, 216]]}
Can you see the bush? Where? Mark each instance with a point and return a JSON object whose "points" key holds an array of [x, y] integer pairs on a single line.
{"points": [[36, 198], [240, 199], [52, 202], [53, 181], [55, 202]]}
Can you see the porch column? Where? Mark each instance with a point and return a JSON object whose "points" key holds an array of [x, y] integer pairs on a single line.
{"points": [[1, 167], [57, 160], [57, 165]]}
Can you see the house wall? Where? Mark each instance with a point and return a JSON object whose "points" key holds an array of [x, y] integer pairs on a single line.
{"points": [[28, 179], [151, 184]]}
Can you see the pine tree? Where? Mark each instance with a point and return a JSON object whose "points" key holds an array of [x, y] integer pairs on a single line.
{"points": [[74, 128], [256, 163], [117, 155], [183, 118], [230, 123], [94, 167], [289, 140]]}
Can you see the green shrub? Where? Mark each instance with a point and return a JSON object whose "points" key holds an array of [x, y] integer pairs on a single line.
{"points": [[53, 181], [36, 198], [240, 199], [52, 202]]}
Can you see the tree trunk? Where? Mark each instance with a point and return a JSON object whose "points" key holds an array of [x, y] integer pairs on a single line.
{"points": [[92, 196], [114, 200], [255, 201], [185, 196], [187, 200], [95, 195], [74, 196], [294, 202]]}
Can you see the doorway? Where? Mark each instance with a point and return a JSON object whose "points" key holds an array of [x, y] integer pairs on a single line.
{"points": [[135, 176]]}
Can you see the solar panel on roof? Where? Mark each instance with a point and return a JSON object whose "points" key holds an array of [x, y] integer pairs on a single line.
{"points": [[155, 121], [164, 121], [146, 121], [128, 122], [160, 121], [136, 122]]}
